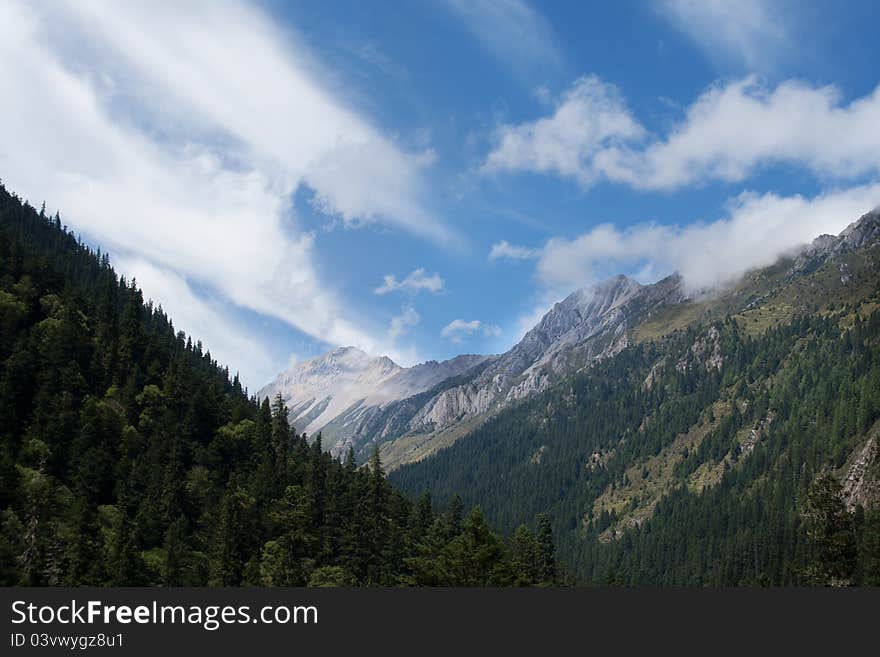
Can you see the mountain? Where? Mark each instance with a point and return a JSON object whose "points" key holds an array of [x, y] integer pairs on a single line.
{"points": [[128, 457], [724, 439], [359, 401], [588, 326], [340, 392], [658, 438], [354, 399]]}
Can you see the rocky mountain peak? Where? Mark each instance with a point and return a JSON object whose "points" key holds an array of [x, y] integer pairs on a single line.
{"points": [[344, 364], [348, 385], [863, 232], [605, 295], [584, 305]]}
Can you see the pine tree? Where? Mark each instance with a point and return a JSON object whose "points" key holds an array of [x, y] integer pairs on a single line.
{"points": [[477, 557], [831, 533], [176, 554], [378, 519], [545, 551], [126, 566], [869, 549], [280, 436], [454, 515], [231, 536], [422, 518], [524, 557]]}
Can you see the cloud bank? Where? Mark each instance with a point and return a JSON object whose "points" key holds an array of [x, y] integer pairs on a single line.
{"points": [[758, 229]]}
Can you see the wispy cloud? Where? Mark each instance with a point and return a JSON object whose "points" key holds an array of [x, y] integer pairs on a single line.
{"points": [[175, 135], [414, 283], [400, 324], [728, 133], [754, 34], [505, 250], [513, 32], [458, 329]]}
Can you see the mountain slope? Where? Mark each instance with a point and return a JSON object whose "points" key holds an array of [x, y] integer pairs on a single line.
{"points": [[128, 457], [377, 403], [589, 325], [688, 457]]}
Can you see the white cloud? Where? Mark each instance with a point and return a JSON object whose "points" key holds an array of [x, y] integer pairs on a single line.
{"points": [[756, 232], [590, 118], [227, 66], [505, 249], [751, 33], [400, 324], [415, 282], [514, 33], [174, 135], [728, 133], [458, 329], [732, 130]]}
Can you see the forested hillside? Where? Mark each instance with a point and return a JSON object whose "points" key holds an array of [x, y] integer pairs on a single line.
{"points": [[738, 445], [129, 457], [739, 450]]}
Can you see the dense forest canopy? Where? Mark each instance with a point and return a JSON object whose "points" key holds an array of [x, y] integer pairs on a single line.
{"points": [[711, 456], [129, 457]]}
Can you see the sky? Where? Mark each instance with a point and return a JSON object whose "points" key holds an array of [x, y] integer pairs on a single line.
{"points": [[423, 178]]}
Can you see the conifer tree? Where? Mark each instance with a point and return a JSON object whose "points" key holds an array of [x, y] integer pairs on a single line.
{"points": [[545, 551], [831, 532]]}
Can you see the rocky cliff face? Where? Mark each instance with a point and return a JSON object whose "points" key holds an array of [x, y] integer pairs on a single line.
{"points": [[861, 233], [587, 326], [861, 482], [864, 233], [347, 386]]}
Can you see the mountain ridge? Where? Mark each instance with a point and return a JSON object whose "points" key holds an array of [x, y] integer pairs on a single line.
{"points": [[697, 455], [348, 381], [589, 325]]}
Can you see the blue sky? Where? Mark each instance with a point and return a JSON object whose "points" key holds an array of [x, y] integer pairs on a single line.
{"points": [[424, 178]]}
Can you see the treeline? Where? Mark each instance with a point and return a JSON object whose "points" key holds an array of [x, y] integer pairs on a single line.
{"points": [[129, 457], [817, 377]]}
